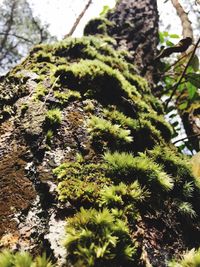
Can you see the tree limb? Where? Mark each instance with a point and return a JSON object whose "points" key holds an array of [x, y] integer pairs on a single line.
{"points": [[17, 36], [78, 20], [182, 75]]}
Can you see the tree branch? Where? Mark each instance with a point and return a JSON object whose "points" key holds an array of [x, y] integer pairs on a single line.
{"points": [[182, 75], [17, 36], [9, 23], [78, 20], [186, 138]]}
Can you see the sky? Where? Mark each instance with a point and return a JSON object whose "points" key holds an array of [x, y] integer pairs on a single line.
{"points": [[61, 14]]}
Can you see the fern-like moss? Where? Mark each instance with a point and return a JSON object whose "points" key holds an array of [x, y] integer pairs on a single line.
{"points": [[80, 183], [23, 259], [100, 128], [143, 168], [189, 259], [54, 117], [98, 238]]}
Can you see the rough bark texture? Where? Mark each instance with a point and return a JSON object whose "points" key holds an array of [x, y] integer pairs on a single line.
{"points": [[82, 103], [136, 30]]}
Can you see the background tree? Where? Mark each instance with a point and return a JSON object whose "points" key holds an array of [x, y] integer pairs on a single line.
{"points": [[19, 31]]}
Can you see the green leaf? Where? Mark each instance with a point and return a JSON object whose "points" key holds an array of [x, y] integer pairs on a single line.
{"points": [[191, 90], [104, 10], [183, 106], [166, 34], [169, 43], [173, 35], [193, 78], [194, 63]]}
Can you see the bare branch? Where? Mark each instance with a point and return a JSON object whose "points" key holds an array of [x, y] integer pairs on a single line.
{"points": [[17, 36], [186, 24], [78, 20], [9, 23]]}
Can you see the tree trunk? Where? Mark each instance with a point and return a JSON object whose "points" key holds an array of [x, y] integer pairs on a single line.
{"points": [[81, 102], [136, 30]]}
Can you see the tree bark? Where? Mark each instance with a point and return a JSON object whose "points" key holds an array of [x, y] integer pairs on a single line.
{"points": [[136, 30]]}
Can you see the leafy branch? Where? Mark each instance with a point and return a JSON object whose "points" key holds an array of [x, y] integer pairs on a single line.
{"points": [[182, 75]]}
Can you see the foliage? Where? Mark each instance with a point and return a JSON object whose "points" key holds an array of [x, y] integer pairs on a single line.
{"points": [[104, 129], [142, 168], [20, 30], [98, 238], [53, 117], [189, 259], [123, 197], [22, 259], [80, 183], [186, 208], [180, 79], [67, 96]]}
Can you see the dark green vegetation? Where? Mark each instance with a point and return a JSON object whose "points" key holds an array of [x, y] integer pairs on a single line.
{"points": [[137, 183], [23, 259]]}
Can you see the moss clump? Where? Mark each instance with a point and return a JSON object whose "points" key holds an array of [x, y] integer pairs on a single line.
{"points": [[49, 137], [43, 57], [97, 26], [23, 259], [160, 124], [124, 198], [65, 97], [98, 238], [189, 259], [130, 168], [145, 135], [80, 183], [53, 117], [102, 130], [40, 91], [173, 163], [95, 76]]}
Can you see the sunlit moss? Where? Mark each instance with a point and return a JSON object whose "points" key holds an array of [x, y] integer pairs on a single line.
{"points": [[80, 183], [23, 259], [98, 238], [130, 168]]}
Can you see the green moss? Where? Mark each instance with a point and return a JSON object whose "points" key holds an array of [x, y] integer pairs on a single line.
{"points": [[155, 103], [97, 26], [143, 131], [43, 57], [104, 130], [98, 238], [40, 91], [22, 259], [53, 117], [49, 137], [131, 168], [88, 105], [160, 124], [124, 198], [65, 97], [174, 163], [94, 79], [80, 183], [139, 82], [189, 259], [186, 209]]}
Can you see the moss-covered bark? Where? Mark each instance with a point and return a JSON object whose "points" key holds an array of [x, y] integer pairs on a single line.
{"points": [[97, 152]]}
